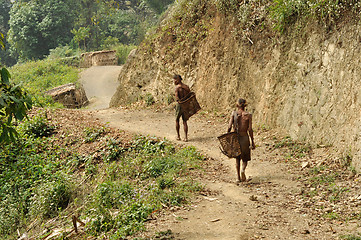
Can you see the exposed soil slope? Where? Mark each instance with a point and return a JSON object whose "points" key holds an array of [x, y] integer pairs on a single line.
{"points": [[305, 81]]}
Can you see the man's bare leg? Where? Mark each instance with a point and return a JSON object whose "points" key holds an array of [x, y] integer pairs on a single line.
{"points": [[238, 166], [177, 126], [185, 126], [243, 172]]}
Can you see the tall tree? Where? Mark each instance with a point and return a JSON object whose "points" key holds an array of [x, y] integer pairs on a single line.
{"points": [[5, 6], [118, 19], [37, 26], [159, 6]]}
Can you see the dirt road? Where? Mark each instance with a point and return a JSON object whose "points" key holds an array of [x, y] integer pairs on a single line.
{"points": [[100, 83], [270, 206]]}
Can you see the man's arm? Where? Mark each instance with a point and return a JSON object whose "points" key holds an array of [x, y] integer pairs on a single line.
{"points": [[230, 123], [250, 131]]}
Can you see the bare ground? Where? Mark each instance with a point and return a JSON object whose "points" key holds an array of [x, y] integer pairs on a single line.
{"points": [[310, 197], [273, 205]]}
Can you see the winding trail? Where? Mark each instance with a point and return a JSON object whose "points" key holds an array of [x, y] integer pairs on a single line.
{"points": [[260, 209], [100, 84], [233, 212]]}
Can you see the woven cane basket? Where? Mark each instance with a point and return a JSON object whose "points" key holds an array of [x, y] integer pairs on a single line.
{"points": [[190, 106], [230, 145]]}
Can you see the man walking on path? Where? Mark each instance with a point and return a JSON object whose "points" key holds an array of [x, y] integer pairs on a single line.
{"points": [[181, 92], [242, 123]]}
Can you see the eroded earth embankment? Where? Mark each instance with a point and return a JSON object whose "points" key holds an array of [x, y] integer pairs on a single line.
{"points": [[304, 82]]}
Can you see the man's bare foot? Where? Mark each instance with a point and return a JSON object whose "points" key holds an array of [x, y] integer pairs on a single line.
{"points": [[243, 177], [186, 139], [178, 138]]}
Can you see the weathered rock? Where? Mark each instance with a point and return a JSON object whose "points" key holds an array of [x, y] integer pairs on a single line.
{"points": [[69, 95], [99, 58], [305, 165]]}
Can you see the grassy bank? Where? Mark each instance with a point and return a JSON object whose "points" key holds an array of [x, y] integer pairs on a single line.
{"points": [[37, 77], [112, 181]]}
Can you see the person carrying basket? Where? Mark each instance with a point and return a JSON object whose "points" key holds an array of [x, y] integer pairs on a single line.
{"points": [[241, 121], [181, 92]]}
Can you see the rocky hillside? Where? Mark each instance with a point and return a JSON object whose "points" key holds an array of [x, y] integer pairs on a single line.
{"points": [[299, 72]]}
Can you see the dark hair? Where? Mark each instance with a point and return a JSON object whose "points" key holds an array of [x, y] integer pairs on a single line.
{"points": [[177, 76], [242, 102]]}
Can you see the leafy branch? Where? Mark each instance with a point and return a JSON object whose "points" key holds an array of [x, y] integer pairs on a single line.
{"points": [[14, 103]]}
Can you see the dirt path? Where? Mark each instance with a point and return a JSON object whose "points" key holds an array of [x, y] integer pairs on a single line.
{"points": [[264, 208], [270, 206], [100, 83]]}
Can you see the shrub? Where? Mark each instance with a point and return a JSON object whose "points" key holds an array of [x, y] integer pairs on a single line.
{"points": [[10, 216], [326, 12], [114, 194], [110, 42], [50, 197], [92, 134], [62, 52], [351, 237], [148, 145], [161, 165], [112, 150], [122, 52], [38, 126], [131, 211]]}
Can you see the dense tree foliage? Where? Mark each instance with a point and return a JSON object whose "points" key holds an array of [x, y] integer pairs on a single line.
{"points": [[38, 26], [5, 6], [35, 27], [159, 6]]}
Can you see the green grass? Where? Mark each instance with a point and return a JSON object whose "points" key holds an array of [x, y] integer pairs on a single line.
{"points": [[39, 76], [33, 183], [142, 179], [351, 237], [126, 182], [295, 149]]}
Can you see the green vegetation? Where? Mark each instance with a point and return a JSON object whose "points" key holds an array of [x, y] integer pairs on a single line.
{"points": [[37, 26], [149, 99], [295, 149], [14, 103], [32, 182], [34, 27], [326, 12], [40, 176], [123, 52], [149, 175], [91, 134], [282, 14], [351, 237], [39, 76]]}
